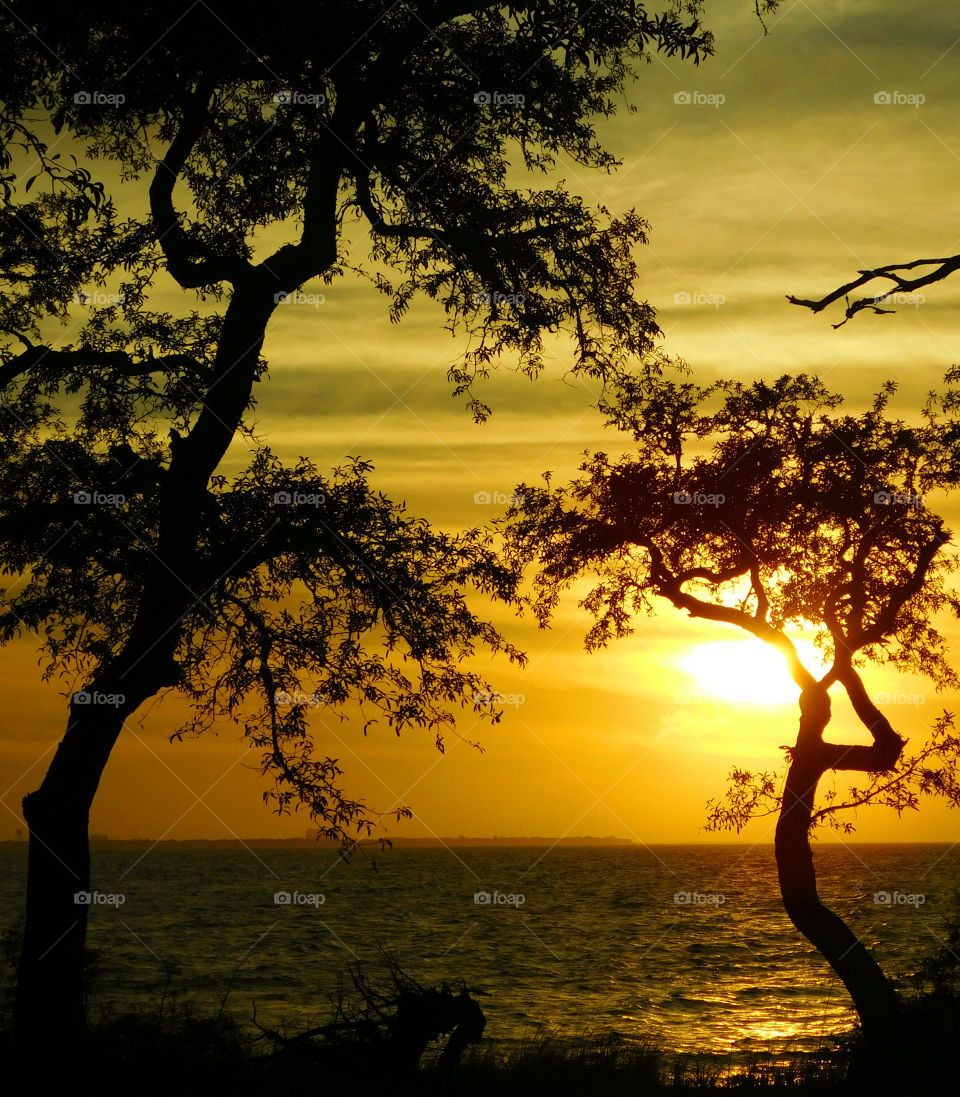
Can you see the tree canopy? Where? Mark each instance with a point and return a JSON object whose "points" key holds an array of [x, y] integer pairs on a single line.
{"points": [[242, 156], [759, 506]]}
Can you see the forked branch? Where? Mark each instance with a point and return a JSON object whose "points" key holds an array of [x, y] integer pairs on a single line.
{"points": [[894, 273]]}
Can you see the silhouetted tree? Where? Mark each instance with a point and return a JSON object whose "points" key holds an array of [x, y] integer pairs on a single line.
{"points": [[765, 508], [139, 565]]}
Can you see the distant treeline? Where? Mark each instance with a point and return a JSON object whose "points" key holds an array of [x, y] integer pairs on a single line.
{"points": [[327, 843]]}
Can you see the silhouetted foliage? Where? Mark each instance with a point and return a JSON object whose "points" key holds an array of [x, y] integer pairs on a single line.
{"points": [[275, 127], [293, 144]]}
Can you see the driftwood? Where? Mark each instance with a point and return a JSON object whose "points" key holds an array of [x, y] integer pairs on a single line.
{"points": [[376, 1034]]}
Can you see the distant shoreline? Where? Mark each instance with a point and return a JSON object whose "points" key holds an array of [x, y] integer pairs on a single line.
{"points": [[366, 843], [495, 842]]}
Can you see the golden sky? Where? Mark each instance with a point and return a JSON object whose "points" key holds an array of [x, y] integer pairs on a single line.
{"points": [[791, 183]]}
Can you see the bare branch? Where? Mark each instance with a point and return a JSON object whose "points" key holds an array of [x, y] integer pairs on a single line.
{"points": [[944, 268]]}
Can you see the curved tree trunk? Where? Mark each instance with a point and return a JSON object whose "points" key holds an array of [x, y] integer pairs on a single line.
{"points": [[872, 993], [49, 996]]}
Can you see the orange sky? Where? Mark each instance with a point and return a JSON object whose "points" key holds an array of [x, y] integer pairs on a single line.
{"points": [[797, 179]]}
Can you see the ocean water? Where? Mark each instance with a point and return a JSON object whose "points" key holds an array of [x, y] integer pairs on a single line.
{"points": [[686, 946]]}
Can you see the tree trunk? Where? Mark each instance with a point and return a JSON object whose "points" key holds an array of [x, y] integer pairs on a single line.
{"points": [[49, 1003], [49, 996], [872, 993]]}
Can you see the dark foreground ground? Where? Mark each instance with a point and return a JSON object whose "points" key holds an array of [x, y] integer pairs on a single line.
{"points": [[194, 1055]]}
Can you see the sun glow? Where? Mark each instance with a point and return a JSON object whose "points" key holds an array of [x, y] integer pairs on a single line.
{"points": [[748, 670]]}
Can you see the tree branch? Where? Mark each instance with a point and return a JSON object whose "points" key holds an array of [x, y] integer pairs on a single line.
{"points": [[378, 225], [944, 268], [117, 361], [887, 617], [179, 249], [887, 744], [670, 587]]}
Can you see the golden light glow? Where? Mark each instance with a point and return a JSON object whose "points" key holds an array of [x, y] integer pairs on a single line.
{"points": [[748, 671]]}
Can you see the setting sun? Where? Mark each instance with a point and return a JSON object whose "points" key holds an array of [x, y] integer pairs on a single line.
{"points": [[747, 670]]}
